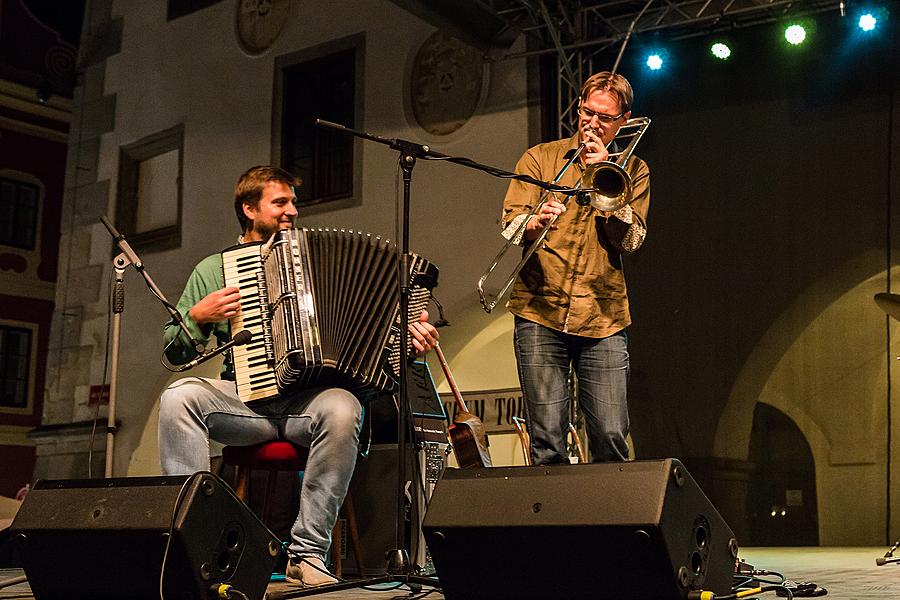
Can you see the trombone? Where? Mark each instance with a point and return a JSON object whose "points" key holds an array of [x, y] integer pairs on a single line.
{"points": [[605, 185]]}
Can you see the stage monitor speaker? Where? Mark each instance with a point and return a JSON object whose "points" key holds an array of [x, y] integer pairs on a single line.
{"points": [[613, 531], [110, 539]]}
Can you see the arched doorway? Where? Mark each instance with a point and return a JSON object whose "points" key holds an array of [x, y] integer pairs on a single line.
{"points": [[782, 498]]}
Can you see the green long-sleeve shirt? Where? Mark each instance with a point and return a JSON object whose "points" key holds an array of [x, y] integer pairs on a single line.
{"points": [[207, 277]]}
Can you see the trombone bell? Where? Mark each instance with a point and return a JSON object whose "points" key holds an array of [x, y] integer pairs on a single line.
{"points": [[608, 184]]}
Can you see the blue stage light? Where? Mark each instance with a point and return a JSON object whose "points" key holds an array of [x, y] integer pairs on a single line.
{"points": [[867, 22], [654, 62]]}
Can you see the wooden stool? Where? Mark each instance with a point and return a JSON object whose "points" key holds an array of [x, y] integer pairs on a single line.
{"points": [[279, 455]]}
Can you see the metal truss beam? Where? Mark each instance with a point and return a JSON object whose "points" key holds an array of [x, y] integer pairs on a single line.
{"points": [[576, 31]]}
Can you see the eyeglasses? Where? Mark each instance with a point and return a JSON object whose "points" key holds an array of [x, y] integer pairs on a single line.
{"points": [[589, 114]]}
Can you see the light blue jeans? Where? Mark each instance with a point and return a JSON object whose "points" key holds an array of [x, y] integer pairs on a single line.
{"points": [[327, 421], [543, 356]]}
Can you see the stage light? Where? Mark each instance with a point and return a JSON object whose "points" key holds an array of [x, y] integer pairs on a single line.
{"points": [[720, 50], [795, 34], [867, 22], [654, 62]]}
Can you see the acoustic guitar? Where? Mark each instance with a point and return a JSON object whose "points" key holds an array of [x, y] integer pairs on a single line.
{"points": [[467, 434]]}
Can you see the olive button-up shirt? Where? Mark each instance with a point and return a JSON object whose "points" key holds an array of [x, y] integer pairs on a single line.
{"points": [[575, 283]]}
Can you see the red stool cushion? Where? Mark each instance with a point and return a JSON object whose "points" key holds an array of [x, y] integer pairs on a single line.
{"points": [[277, 455]]}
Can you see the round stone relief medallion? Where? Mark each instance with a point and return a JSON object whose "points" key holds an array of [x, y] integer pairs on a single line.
{"points": [[445, 84], [258, 23]]}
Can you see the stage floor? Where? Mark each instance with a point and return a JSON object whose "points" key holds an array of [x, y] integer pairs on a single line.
{"points": [[847, 574]]}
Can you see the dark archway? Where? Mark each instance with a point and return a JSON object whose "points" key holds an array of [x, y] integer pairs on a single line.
{"points": [[782, 500]]}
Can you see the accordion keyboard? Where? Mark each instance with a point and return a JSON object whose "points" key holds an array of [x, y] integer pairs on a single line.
{"points": [[252, 366]]}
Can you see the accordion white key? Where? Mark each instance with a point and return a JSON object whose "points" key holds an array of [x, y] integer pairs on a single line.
{"points": [[322, 305]]}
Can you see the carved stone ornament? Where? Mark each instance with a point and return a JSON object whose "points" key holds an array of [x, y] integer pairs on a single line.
{"points": [[445, 84], [258, 23]]}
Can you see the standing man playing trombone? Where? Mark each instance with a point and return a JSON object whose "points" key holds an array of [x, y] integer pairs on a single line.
{"points": [[570, 301]]}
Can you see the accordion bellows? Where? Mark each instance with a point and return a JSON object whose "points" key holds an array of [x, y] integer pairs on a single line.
{"points": [[323, 308]]}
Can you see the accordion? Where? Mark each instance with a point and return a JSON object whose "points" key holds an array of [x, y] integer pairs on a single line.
{"points": [[322, 305]]}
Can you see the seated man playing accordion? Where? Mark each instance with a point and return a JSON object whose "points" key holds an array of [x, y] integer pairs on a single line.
{"points": [[326, 420]]}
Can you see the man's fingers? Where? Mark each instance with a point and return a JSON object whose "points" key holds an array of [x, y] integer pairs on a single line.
{"points": [[424, 334]]}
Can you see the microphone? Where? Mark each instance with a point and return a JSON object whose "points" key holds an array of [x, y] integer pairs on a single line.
{"points": [[240, 338]]}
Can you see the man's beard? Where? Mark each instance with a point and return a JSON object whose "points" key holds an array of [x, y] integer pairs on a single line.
{"points": [[266, 232]]}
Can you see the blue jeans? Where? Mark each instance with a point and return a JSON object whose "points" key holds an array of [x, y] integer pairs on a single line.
{"points": [[327, 421], [543, 356]]}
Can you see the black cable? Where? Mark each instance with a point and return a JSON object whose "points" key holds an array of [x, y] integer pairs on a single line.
{"points": [[705, 595], [162, 357], [224, 590], [372, 588], [754, 574], [415, 595], [441, 321]]}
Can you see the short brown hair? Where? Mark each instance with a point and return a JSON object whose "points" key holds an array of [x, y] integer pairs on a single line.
{"points": [[250, 186], [613, 83]]}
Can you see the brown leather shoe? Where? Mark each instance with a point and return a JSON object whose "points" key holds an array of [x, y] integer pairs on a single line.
{"points": [[308, 571]]}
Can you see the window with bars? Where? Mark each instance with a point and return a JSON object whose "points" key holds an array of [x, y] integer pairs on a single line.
{"points": [[19, 204], [15, 366]]}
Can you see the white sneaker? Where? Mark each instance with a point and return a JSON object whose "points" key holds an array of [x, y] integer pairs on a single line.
{"points": [[308, 571]]}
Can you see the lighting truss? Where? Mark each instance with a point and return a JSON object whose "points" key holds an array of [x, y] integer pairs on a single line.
{"points": [[576, 32]]}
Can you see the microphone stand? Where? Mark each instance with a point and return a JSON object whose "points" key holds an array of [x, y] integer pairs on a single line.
{"points": [[127, 257], [399, 567]]}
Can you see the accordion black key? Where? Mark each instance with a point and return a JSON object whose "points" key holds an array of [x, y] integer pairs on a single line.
{"points": [[322, 305]]}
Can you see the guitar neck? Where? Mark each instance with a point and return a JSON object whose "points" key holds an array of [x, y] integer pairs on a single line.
{"points": [[457, 396]]}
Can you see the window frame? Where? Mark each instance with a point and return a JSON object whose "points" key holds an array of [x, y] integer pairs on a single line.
{"points": [[34, 330], [284, 63], [130, 158], [19, 180]]}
